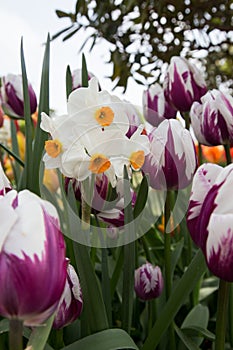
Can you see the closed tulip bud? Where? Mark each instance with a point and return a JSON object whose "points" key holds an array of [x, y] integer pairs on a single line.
{"points": [[183, 84], [77, 78], [32, 258], [5, 185], [155, 106], [148, 282], [172, 160], [210, 217], [12, 95], [212, 118], [71, 303]]}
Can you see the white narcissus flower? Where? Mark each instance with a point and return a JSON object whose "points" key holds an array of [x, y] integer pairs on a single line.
{"points": [[89, 107]]}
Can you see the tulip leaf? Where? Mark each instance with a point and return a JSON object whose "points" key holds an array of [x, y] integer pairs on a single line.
{"points": [[84, 72], [27, 173], [198, 316], [68, 82], [183, 288], [39, 335], [129, 257], [110, 339], [189, 343], [94, 313], [4, 326], [196, 331], [12, 154], [41, 136], [141, 197]]}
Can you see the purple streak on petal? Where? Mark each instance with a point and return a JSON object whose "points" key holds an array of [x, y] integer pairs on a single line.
{"points": [[13, 101], [198, 225], [180, 97], [221, 262], [31, 289]]}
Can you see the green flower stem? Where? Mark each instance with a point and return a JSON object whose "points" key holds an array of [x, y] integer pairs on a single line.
{"points": [[227, 153], [16, 334], [231, 315], [200, 156], [86, 214], [222, 310], [151, 304], [167, 258]]}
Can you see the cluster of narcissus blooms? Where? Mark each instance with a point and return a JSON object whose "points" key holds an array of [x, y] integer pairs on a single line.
{"points": [[148, 281], [32, 251], [92, 138]]}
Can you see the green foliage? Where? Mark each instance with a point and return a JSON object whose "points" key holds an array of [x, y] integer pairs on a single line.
{"points": [[144, 35]]}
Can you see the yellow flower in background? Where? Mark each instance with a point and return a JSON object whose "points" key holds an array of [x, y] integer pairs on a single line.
{"points": [[51, 180]]}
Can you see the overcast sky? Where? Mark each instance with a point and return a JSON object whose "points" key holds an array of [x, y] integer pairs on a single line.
{"points": [[32, 20]]}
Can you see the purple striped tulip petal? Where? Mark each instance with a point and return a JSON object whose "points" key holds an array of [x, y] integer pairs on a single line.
{"points": [[202, 183], [212, 118], [155, 106], [5, 185], [12, 94], [172, 160], [148, 282], [32, 258], [210, 217], [183, 84], [71, 303]]}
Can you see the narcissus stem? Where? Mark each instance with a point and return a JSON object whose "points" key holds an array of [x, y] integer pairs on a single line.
{"points": [[222, 311], [16, 335], [167, 258]]}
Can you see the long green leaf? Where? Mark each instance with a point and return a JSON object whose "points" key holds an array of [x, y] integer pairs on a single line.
{"points": [[129, 257], [27, 174], [110, 339], [12, 154], [68, 82], [94, 308], [141, 197], [183, 288], [41, 136], [39, 335], [188, 342], [4, 326], [84, 72]]}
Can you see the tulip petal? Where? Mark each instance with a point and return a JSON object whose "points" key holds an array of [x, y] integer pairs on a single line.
{"points": [[219, 246]]}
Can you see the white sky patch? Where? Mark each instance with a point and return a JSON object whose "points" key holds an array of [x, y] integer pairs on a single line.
{"points": [[34, 21]]}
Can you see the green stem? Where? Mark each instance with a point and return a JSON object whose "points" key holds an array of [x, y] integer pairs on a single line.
{"points": [[200, 156], [167, 246], [16, 334], [228, 153], [231, 315], [167, 258], [222, 309]]}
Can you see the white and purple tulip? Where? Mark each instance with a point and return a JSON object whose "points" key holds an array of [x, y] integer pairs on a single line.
{"points": [[71, 303], [212, 118], [32, 258], [155, 106], [148, 282], [183, 84], [172, 160], [210, 217], [77, 78], [12, 95], [5, 185]]}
